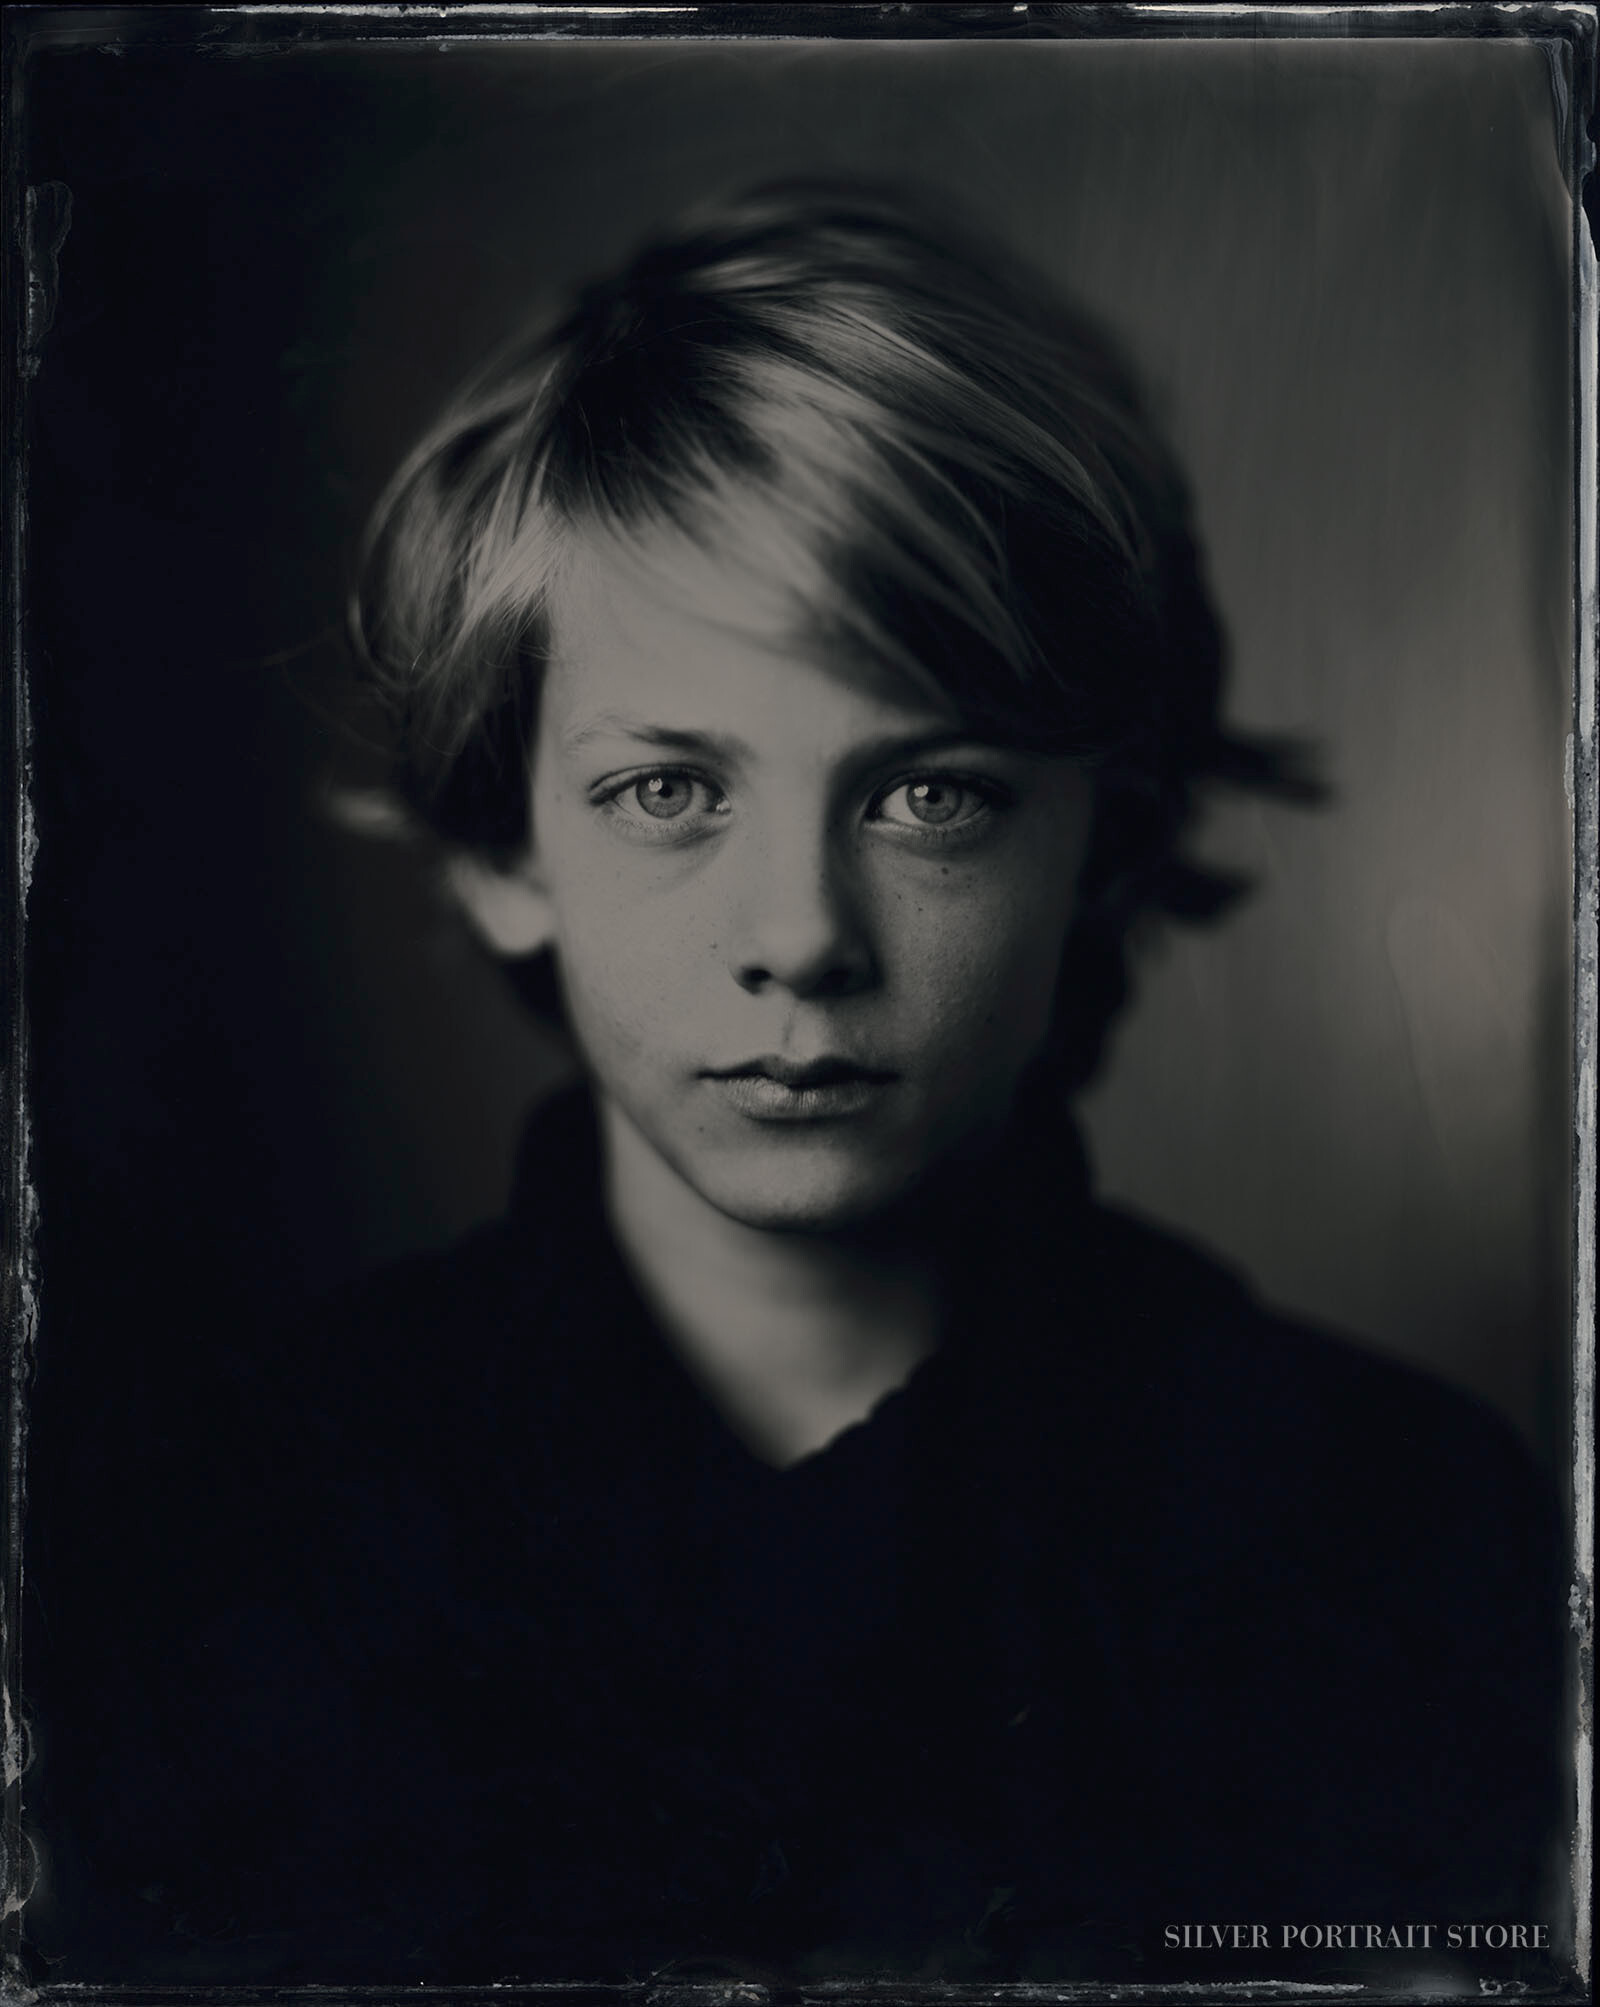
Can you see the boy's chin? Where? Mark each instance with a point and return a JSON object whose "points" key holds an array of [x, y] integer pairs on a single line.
{"points": [[816, 1190]]}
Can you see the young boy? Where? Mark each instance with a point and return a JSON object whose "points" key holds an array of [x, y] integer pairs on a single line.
{"points": [[809, 1537]]}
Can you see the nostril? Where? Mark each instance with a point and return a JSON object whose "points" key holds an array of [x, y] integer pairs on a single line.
{"points": [[801, 931], [843, 979], [834, 979]]}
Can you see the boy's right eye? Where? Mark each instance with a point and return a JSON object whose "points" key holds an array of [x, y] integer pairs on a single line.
{"points": [[664, 795]]}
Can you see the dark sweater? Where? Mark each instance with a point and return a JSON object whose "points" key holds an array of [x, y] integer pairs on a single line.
{"points": [[481, 1647]]}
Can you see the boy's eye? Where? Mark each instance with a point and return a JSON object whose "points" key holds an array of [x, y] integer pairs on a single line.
{"points": [[665, 795], [931, 801]]}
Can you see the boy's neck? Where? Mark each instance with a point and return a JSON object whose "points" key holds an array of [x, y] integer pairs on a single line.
{"points": [[794, 1337]]}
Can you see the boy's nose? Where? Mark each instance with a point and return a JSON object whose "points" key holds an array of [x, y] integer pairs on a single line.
{"points": [[801, 927]]}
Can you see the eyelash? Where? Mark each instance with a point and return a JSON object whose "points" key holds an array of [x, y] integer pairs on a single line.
{"points": [[992, 797]]}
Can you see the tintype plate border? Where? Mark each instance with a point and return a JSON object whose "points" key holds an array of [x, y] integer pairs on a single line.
{"points": [[34, 222]]}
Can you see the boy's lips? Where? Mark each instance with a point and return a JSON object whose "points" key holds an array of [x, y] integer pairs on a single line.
{"points": [[772, 1088], [827, 1071]]}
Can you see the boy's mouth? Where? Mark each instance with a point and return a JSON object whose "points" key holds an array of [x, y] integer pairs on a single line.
{"points": [[772, 1088], [800, 1073]]}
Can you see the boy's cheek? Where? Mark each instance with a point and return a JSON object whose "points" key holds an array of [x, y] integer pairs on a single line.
{"points": [[963, 981], [986, 968]]}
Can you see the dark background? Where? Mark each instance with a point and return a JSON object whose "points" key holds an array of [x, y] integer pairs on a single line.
{"points": [[266, 1054]]}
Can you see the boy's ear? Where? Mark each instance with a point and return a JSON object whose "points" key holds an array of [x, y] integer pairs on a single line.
{"points": [[507, 904]]}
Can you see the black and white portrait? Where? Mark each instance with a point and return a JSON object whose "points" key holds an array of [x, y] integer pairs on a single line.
{"points": [[799, 1066]]}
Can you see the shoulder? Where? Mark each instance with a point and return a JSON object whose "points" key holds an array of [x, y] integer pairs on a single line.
{"points": [[1333, 1551], [1373, 1515], [417, 1333], [1218, 1371], [436, 1340], [1256, 1456], [356, 1510]]}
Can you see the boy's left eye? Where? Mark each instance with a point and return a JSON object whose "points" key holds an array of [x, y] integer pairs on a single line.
{"points": [[932, 801]]}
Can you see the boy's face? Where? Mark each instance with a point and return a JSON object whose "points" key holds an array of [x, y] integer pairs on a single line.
{"points": [[808, 930]]}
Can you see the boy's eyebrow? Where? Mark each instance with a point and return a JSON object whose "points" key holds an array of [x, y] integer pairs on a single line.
{"points": [[614, 724], [671, 738]]}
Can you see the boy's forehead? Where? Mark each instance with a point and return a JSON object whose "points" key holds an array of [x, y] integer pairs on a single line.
{"points": [[668, 624], [613, 593]]}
